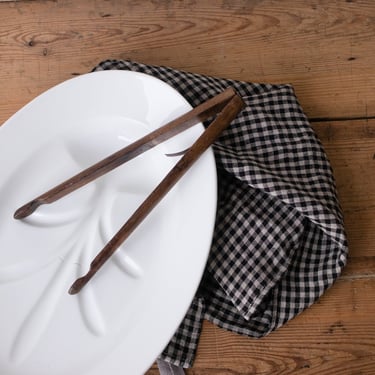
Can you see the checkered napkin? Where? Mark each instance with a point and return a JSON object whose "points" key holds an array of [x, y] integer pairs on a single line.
{"points": [[279, 238]]}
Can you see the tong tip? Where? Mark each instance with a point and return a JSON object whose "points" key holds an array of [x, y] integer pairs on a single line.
{"points": [[78, 285], [26, 210], [74, 289]]}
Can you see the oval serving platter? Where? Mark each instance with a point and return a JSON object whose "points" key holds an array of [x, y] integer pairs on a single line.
{"points": [[122, 320]]}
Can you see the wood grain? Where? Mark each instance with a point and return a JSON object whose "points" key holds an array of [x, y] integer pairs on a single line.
{"points": [[324, 48]]}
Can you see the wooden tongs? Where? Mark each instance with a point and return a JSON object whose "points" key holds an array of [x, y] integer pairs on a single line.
{"points": [[225, 106]]}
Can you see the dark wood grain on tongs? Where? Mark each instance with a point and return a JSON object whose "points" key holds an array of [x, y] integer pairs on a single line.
{"points": [[200, 113], [223, 119]]}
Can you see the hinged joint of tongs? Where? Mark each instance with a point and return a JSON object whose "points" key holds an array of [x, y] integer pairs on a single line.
{"points": [[225, 106]]}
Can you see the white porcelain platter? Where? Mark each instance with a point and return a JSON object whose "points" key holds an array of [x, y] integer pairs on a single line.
{"points": [[125, 316]]}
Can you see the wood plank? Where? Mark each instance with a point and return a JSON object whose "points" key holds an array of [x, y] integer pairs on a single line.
{"points": [[350, 146], [325, 49], [359, 268]]}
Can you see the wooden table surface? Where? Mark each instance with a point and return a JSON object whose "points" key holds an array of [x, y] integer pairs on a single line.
{"points": [[324, 48]]}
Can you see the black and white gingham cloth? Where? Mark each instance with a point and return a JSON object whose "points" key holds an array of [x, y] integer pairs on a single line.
{"points": [[279, 239]]}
